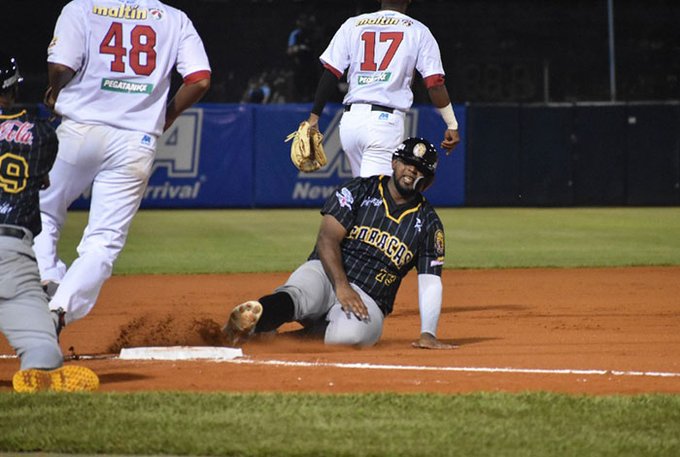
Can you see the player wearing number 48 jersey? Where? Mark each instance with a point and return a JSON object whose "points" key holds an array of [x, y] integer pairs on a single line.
{"points": [[373, 232], [380, 52], [109, 68]]}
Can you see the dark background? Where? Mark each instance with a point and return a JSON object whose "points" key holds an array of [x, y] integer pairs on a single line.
{"points": [[493, 50]]}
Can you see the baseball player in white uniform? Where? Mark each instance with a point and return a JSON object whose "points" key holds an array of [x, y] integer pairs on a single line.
{"points": [[109, 68], [380, 52]]}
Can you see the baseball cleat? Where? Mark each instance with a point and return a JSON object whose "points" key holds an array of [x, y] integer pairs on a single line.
{"points": [[69, 378], [242, 322]]}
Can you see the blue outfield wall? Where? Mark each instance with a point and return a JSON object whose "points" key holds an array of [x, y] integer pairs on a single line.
{"points": [[234, 156]]}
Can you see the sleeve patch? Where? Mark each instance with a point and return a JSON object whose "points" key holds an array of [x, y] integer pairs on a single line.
{"points": [[345, 198], [439, 243]]}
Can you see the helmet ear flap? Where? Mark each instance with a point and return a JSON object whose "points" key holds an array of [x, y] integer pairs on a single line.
{"points": [[424, 183]]}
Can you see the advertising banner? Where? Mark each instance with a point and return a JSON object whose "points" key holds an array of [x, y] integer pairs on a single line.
{"points": [[279, 184], [234, 156]]}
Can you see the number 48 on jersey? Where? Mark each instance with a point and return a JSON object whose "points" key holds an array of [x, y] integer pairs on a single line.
{"points": [[142, 54]]}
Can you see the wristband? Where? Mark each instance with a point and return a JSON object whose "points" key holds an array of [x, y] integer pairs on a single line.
{"points": [[449, 117]]}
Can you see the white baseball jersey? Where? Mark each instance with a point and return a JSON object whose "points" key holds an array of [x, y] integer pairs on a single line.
{"points": [[381, 50], [123, 52]]}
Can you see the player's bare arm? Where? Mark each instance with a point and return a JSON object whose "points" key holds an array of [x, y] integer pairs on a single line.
{"points": [[328, 243], [190, 92], [441, 100], [58, 76]]}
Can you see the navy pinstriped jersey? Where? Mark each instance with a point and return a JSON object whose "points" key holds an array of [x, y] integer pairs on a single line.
{"points": [[384, 240], [28, 148]]}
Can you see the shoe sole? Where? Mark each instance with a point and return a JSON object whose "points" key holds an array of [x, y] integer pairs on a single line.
{"points": [[70, 378], [242, 322]]}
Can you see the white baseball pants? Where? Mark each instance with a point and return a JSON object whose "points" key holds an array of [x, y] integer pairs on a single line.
{"points": [[369, 138], [117, 164]]}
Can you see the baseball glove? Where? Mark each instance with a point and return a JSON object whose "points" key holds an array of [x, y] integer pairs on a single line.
{"points": [[306, 151]]}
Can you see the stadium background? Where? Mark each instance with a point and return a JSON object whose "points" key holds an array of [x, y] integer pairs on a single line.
{"points": [[573, 125]]}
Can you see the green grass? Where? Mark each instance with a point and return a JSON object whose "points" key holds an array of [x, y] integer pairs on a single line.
{"points": [[531, 424], [348, 425], [215, 241]]}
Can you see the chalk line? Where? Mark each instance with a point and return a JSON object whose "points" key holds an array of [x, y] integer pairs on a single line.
{"points": [[369, 366]]}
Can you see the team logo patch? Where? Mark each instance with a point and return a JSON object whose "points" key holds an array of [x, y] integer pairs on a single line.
{"points": [[419, 150], [146, 140], [53, 43], [156, 13], [384, 116], [439, 243], [345, 198]]}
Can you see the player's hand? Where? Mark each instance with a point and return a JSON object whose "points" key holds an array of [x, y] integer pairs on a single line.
{"points": [[428, 341], [313, 121], [451, 140], [351, 303], [48, 99]]}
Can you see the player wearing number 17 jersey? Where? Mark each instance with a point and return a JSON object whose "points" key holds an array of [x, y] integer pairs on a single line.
{"points": [[109, 68], [379, 52]]}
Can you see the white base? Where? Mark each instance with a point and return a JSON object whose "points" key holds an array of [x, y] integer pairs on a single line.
{"points": [[180, 353]]}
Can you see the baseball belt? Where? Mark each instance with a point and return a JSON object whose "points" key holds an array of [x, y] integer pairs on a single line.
{"points": [[385, 109], [13, 232]]}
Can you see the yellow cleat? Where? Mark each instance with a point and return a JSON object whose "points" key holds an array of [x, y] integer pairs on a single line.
{"points": [[69, 378]]}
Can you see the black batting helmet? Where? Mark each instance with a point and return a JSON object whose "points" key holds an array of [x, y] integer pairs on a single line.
{"points": [[420, 153], [9, 72]]}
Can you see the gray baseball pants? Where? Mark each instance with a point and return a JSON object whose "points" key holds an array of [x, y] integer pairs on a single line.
{"points": [[25, 318], [314, 298]]}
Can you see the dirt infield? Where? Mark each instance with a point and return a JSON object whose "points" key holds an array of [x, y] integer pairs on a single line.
{"points": [[563, 330]]}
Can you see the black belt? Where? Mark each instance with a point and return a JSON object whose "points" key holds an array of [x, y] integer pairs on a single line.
{"points": [[13, 232], [385, 109]]}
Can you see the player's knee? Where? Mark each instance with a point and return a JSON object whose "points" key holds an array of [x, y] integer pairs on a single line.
{"points": [[357, 338]]}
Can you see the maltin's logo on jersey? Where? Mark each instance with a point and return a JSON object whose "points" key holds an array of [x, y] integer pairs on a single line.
{"points": [[116, 85], [122, 12], [380, 20], [372, 78]]}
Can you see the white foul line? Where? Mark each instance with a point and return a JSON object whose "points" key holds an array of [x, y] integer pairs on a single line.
{"points": [[368, 366]]}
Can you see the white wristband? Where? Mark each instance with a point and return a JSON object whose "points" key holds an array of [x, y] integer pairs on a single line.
{"points": [[449, 117]]}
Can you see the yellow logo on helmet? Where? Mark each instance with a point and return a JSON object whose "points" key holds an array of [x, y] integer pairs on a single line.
{"points": [[419, 150]]}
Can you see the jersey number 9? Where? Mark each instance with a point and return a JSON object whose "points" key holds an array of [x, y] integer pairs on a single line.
{"points": [[13, 173]]}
